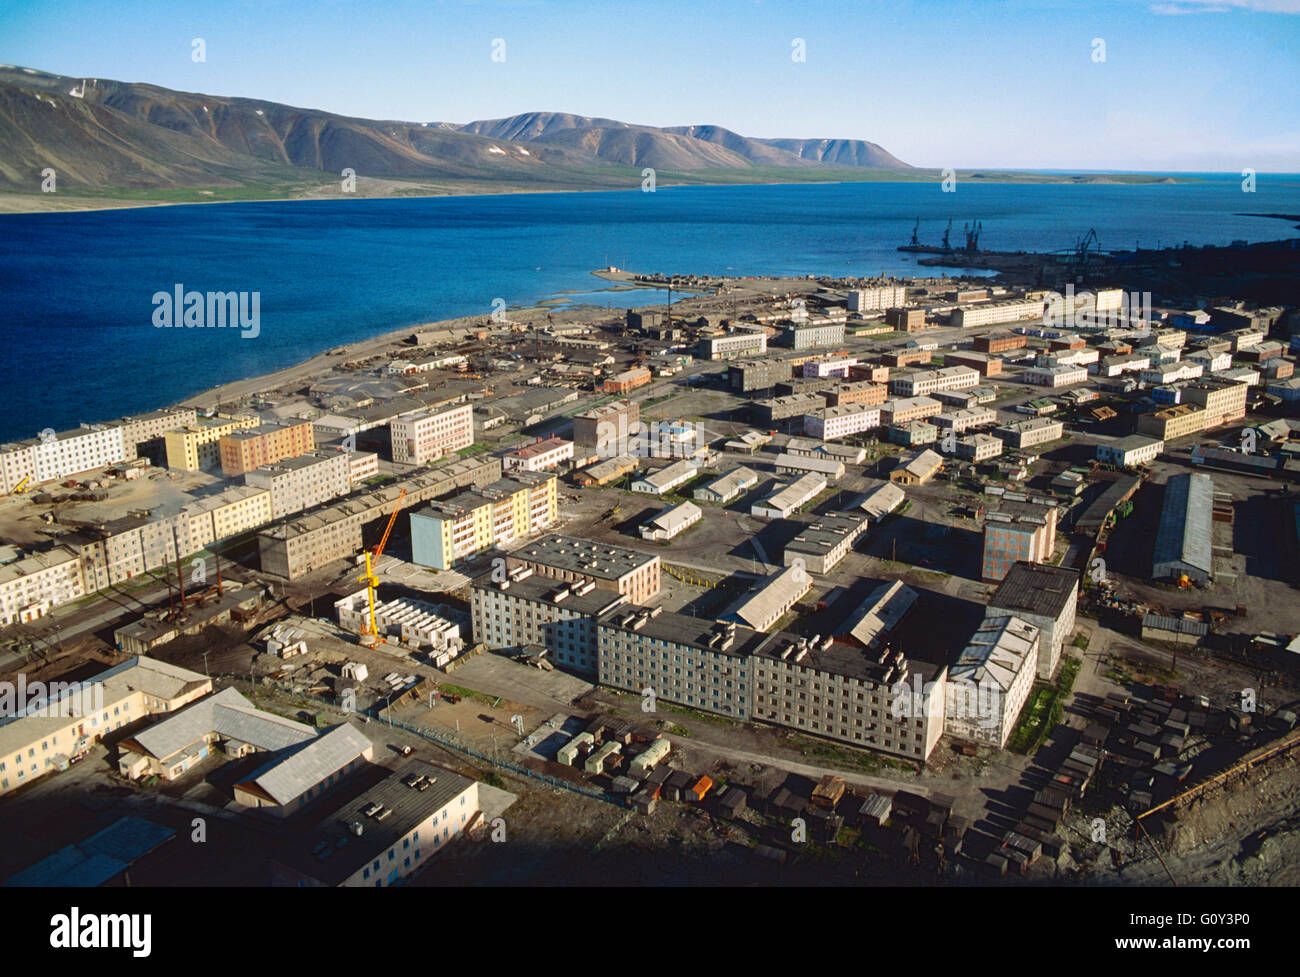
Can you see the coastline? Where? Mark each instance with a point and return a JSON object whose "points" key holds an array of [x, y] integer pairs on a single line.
{"points": [[916, 175]]}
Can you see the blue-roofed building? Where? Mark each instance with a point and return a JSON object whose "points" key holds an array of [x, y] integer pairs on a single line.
{"points": [[99, 859], [1184, 537]]}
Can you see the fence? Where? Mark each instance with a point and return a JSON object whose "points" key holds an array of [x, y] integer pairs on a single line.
{"points": [[445, 739]]}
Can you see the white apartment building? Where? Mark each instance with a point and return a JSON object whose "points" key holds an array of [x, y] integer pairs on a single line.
{"points": [[1055, 376], [966, 419], [1210, 362], [987, 315], [362, 465], [1026, 434], [299, 483], [990, 681], [830, 423], [924, 382], [877, 299], [538, 456], [429, 435], [832, 366], [979, 447], [57, 455], [1069, 357], [31, 586], [1136, 449], [1172, 372], [732, 345]]}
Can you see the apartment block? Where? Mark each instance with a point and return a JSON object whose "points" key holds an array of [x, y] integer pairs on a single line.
{"points": [[997, 312], [984, 364], [1045, 596], [444, 533], [877, 299], [1027, 433], [617, 569], [526, 609], [855, 392], [56, 455], [607, 426], [140, 429], [1055, 376], [881, 701], [628, 380], [991, 679], [32, 585], [904, 409], [1223, 400], [1173, 422], [688, 661], [1137, 449], [999, 342], [429, 435], [72, 717], [541, 455], [979, 447], [298, 484], [751, 375], [968, 419], [813, 335], [923, 382], [745, 342], [362, 465], [242, 451], [830, 423], [312, 540], [197, 446], [1018, 529]]}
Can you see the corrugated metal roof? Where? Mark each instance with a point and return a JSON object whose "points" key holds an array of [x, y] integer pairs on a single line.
{"points": [[287, 777], [1185, 533]]}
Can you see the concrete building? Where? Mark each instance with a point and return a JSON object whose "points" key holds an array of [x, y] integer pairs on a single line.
{"points": [[408, 826], [476, 520], [984, 364], [607, 427], [913, 434], [56, 455], [242, 451], [1287, 390], [997, 312], [298, 484], [916, 468], [905, 320], [672, 521], [1027, 433], [877, 298], [923, 382], [759, 374], [726, 487], [1055, 376], [60, 721], [361, 466], [1171, 372], [1045, 596], [31, 586], [538, 456], [313, 540], [881, 701], [979, 447], [688, 661], [617, 569], [529, 609], [812, 335], [605, 472], [821, 542], [789, 497], [197, 446], [991, 679], [1185, 534], [1136, 449], [140, 430], [904, 409], [1224, 400], [967, 419], [999, 342], [855, 392], [1018, 529], [831, 423], [429, 435], [1173, 422]]}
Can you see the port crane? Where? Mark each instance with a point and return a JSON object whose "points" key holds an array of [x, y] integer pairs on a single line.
{"points": [[370, 636], [915, 227], [972, 232], [946, 232]]}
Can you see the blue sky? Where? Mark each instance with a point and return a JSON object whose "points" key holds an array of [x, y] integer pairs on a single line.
{"points": [[1184, 85]]}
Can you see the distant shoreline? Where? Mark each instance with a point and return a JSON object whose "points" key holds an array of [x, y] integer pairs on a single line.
{"points": [[73, 204]]}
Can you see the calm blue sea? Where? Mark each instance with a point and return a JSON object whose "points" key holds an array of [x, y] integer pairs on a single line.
{"points": [[76, 289]]}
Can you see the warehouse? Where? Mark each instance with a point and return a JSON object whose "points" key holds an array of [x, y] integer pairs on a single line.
{"points": [[916, 469], [778, 593], [823, 541], [672, 522], [829, 468], [726, 487], [664, 480], [1184, 537]]}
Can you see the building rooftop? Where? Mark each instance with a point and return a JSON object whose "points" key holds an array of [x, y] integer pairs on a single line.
{"points": [[682, 629], [227, 714], [777, 591], [1184, 533], [818, 535], [1036, 588], [882, 611], [582, 556], [996, 653], [306, 764]]}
